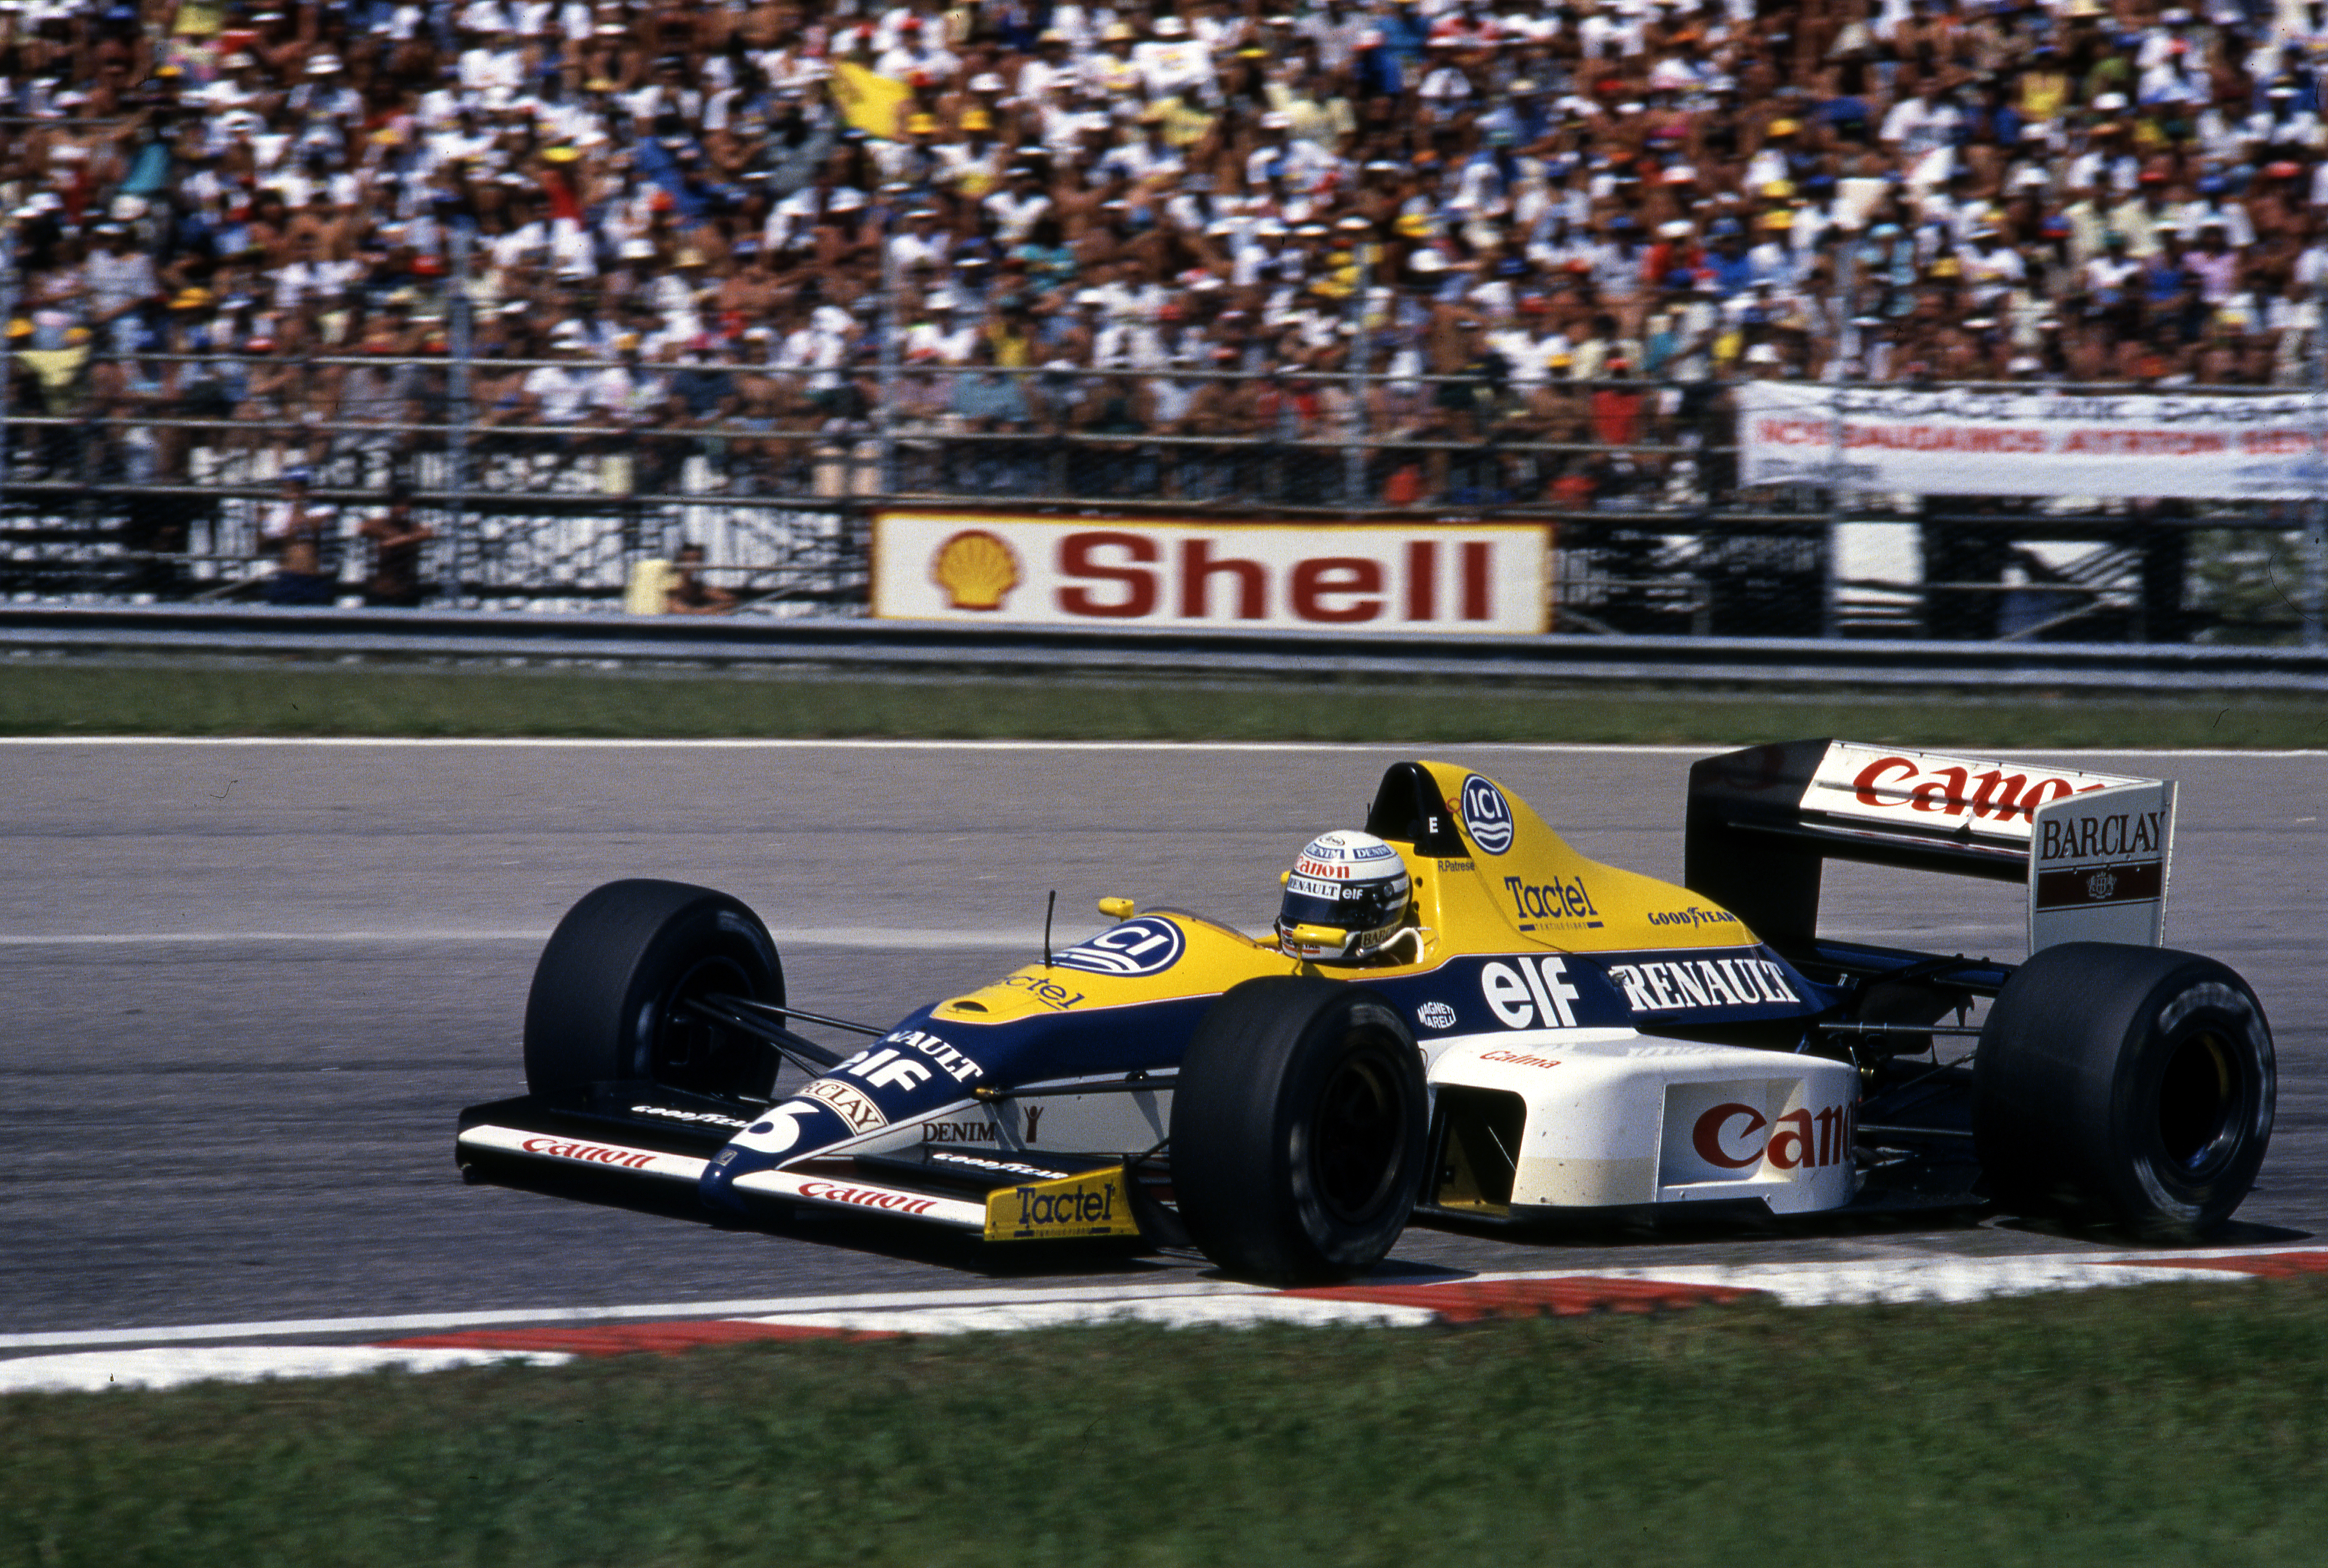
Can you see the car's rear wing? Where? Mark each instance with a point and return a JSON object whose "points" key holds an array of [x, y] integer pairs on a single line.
{"points": [[2091, 847]]}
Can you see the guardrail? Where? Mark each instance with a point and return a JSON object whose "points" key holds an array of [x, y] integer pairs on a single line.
{"points": [[865, 646], [116, 495]]}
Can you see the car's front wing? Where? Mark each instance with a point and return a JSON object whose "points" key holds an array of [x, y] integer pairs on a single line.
{"points": [[654, 1142]]}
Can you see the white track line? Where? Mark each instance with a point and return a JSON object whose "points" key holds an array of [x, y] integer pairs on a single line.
{"points": [[1910, 1280], [94, 1372], [153, 938], [1576, 748], [1181, 1312], [1926, 1278], [426, 1322], [1196, 1304], [874, 938], [1200, 1304], [534, 743]]}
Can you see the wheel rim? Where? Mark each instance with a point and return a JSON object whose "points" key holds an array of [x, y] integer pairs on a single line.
{"points": [[2200, 1099], [1357, 1132], [689, 1051]]}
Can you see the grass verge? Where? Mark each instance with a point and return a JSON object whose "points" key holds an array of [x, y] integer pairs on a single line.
{"points": [[60, 698], [2164, 1425]]}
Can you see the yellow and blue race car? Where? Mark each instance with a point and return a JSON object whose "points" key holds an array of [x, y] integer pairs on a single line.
{"points": [[1457, 1017]]}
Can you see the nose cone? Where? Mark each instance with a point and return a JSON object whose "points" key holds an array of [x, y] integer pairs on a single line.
{"points": [[782, 1133], [716, 1186]]}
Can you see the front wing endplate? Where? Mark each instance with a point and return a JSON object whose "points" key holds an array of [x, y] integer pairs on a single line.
{"points": [[1062, 1208]]}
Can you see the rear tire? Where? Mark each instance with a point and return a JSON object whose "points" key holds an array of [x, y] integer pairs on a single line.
{"points": [[606, 1002], [2131, 1086], [1298, 1128]]}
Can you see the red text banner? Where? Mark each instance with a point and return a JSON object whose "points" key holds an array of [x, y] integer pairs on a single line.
{"points": [[1420, 577], [1957, 441]]}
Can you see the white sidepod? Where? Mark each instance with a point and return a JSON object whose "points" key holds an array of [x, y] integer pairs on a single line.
{"points": [[1614, 1118]]}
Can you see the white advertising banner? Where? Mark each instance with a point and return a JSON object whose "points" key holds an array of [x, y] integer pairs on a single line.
{"points": [[1063, 571], [1957, 441]]}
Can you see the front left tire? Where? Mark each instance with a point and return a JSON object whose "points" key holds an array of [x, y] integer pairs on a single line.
{"points": [[1298, 1131], [609, 992]]}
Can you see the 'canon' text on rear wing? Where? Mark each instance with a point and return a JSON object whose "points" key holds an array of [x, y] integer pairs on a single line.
{"points": [[2092, 849]]}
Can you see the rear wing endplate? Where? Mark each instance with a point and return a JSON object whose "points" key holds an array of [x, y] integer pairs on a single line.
{"points": [[2091, 847]]}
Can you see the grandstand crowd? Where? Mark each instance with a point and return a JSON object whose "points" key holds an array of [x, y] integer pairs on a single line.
{"points": [[1520, 212]]}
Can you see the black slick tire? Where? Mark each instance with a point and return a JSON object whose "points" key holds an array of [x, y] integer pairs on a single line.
{"points": [[2125, 1085], [1298, 1130], [607, 1002]]}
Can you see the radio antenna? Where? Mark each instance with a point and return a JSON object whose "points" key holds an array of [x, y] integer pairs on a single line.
{"points": [[1049, 905]]}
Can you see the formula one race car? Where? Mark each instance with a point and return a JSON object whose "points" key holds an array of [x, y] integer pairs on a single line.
{"points": [[1457, 1016]]}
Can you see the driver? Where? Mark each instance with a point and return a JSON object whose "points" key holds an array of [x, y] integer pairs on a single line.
{"points": [[1345, 899]]}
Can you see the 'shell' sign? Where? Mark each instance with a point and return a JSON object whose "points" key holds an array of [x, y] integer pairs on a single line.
{"points": [[1420, 577]]}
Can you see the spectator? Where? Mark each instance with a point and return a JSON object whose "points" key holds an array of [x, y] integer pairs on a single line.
{"points": [[986, 401], [688, 594], [296, 527], [679, 223], [397, 537]]}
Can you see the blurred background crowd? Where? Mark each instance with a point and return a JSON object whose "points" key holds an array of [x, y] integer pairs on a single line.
{"points": [[1563, 222]]}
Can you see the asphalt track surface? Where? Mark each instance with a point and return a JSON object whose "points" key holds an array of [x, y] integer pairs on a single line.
{"points": [[248, 986]]}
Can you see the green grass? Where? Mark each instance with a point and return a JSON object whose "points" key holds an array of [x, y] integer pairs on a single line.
{"points": [[55, 697], [2161, 1426]]}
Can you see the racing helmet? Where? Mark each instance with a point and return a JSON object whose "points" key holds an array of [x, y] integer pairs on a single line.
{"points": [[1345, 897]]}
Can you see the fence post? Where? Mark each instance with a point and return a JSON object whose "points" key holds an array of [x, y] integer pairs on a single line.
{"points": [[7, 345], [450, 586], [1353, 447], [2315, 532], [2315, 574], [886, 424], [1838, 498]]}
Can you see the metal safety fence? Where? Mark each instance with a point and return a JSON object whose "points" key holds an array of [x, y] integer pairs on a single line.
{"points": [[460, 481]]}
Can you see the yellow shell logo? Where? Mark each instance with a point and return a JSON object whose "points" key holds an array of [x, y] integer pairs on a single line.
{"points": [[976, 569]]}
